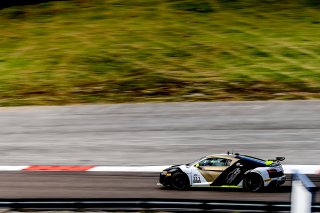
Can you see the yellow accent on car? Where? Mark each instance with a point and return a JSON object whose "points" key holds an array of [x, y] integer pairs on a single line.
{"points": [[267, 180], [168, 174], [229, 186], [268, 162], [223, 186]]}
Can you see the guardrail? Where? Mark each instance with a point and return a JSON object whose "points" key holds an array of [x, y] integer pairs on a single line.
{"points": [[174, 205], [303, 194]]}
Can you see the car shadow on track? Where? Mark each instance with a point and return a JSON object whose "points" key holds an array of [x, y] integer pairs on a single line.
{"points": [[281, 189]]}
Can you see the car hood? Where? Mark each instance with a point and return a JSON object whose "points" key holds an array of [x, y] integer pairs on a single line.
{"points": [[172, 167]]}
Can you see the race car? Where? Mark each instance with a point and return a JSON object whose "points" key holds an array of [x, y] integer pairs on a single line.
{"points": [[225, 170]]}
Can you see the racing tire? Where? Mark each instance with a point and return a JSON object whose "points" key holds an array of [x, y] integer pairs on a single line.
{"points": [[253, 182], [180, 181]]}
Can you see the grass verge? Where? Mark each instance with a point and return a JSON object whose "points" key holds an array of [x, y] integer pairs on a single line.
{"points": [[96, 51]]}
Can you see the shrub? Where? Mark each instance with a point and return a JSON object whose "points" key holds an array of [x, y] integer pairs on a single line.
{"points": [[200, 6]]}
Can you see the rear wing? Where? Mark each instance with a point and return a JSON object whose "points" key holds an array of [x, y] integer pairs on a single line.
{"points": [[280, 158], [277, 159], [274, 162]]}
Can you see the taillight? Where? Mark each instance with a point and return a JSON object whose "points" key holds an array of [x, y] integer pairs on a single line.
{"points": [[272, 173]]}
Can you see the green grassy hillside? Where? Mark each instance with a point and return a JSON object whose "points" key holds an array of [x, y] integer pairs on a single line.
{"points": [[97, 51]]}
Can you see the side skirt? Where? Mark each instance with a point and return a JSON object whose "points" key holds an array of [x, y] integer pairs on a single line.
{"points": [[223, 186]]}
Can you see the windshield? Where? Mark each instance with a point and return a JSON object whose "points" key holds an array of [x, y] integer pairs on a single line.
{"points": [[193, 162]]}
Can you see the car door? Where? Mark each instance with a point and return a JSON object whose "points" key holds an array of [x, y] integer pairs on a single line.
{"points": [[208, 170]]}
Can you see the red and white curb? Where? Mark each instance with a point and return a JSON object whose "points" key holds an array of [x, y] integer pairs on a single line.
{"points": [[288, 169]]}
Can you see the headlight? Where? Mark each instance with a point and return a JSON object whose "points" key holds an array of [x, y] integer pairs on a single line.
{"points": [[166, 173]]}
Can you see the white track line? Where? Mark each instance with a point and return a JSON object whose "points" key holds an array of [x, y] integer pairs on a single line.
{"points": [[303, 169], [288, 169], [12, 168], [128, 168]]}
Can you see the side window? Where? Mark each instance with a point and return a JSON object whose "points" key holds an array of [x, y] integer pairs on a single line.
{"points": [[215, 162]]}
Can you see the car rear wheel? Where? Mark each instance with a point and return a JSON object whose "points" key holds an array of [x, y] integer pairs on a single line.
{"points": [[180, 181], [253, 182]]}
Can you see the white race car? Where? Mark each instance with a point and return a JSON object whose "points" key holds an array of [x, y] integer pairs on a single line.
{"points": [[225, 170]]}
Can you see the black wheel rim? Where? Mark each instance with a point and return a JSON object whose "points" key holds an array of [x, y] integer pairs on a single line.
{"points": [[179, 182]]}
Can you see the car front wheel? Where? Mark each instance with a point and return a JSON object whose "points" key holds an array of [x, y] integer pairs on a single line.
{"points": [[180, 181]]}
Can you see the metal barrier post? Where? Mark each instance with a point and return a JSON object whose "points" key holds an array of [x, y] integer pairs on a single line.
{"points": [[303, 194]]}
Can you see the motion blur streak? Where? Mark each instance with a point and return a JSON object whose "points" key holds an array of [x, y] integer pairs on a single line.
{"points": [[118, 185], [288, 169], [159, 134]]}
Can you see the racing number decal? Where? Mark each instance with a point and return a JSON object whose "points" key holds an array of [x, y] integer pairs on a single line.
{"points": [[196, 179]]}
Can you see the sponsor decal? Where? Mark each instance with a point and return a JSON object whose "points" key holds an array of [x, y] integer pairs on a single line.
{"points": [[232, 175]]}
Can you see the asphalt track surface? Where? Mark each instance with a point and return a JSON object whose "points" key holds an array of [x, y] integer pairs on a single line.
{"points": [[149, 134], [118, 185], [159, 134]]}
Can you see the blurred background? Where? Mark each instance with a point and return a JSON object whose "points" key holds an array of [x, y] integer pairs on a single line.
{"points": [[115, 51], [140, 51], [116, 64]]}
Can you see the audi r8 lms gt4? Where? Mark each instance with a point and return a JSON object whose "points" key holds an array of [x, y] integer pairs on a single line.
{"points": [[225, 170]]}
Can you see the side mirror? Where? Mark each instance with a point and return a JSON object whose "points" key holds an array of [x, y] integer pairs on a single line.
{"points": [[198, 166]]}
